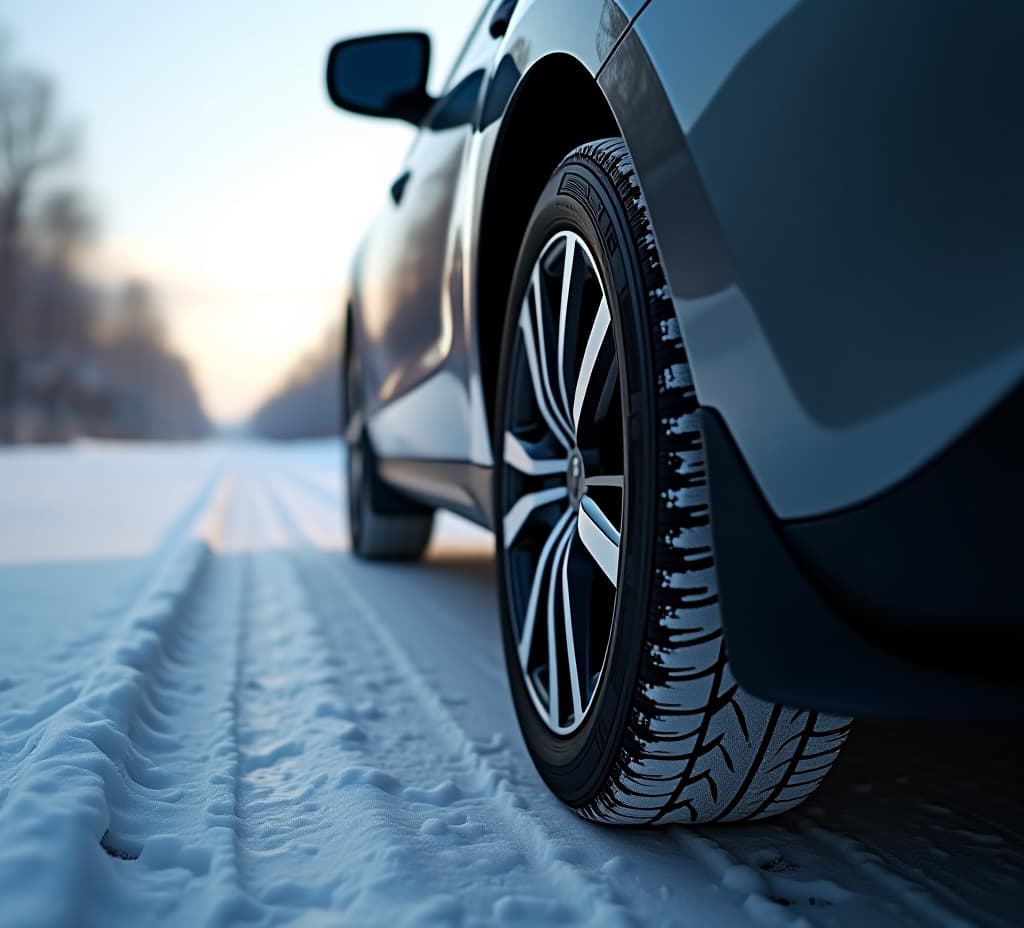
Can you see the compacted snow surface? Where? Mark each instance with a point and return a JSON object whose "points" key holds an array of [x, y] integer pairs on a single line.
{"points": [[213, 714]]}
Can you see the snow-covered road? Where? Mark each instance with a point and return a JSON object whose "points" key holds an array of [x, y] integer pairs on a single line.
{"points": [[210, 713]]}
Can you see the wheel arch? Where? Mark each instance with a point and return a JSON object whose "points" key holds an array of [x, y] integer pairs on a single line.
{"points": [[538, 129]]}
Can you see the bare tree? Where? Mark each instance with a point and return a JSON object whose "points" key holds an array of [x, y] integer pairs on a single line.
{"points": [[137, 317], [33, 140], [58, 308], [74, 359], [66, 224], [154, 395], [307, 404]]}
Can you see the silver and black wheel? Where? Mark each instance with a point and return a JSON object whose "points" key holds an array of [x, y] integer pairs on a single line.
{"points": [[383, 524], [608, 590], [563, 448]]}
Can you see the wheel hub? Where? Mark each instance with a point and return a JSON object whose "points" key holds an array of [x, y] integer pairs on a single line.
{"points": [[576, 478]]}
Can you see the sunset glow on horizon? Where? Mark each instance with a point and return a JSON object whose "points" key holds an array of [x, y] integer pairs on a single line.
{"points": [[219, 172]]}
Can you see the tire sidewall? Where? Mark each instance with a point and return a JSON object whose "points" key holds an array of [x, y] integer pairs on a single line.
{"points": [[580, 198], [355, 481]]}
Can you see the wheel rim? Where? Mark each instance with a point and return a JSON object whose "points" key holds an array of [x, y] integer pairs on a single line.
{"points": [[563, 481]]}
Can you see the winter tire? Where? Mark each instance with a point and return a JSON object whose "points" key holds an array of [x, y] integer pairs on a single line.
{"points": [[610, 614]]}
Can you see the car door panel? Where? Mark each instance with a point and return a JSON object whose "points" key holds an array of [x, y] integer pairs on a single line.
{"points": [[406, 259], [402, 266]]}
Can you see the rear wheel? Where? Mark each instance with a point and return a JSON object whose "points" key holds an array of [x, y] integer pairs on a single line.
{"points": [[383, 524], [611, 622]]}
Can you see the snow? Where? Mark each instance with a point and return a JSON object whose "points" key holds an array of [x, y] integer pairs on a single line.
{"points": [[213, 714]]}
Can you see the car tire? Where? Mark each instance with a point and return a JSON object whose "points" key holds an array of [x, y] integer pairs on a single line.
{"points": [[383, 524], [607, 583]]}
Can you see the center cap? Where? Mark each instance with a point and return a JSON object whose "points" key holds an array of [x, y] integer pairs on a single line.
{"points": [[576, 479]]}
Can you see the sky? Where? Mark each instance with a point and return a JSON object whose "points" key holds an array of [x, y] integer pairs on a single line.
{"points": [[218, 169]]}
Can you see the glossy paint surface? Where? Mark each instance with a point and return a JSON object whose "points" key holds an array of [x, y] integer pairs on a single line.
{"points": [[836, 195], [405, 273]]}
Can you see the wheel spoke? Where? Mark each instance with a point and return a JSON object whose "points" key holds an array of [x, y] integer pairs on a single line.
{"points": [[600, 538], [563, 314], [539, 372], [595, 341], [570, 638], [525, 506], [553, 671], [561, 528], [520, 455], [545, 358]]}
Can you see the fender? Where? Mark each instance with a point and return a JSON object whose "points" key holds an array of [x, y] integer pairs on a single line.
{"points": [[586, 31], [845, 315]]}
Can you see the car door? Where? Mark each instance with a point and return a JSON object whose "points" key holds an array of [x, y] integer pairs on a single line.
{"points": [[403, 264]]}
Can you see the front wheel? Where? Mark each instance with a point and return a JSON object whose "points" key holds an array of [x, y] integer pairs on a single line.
{"points": [[608, 589]]}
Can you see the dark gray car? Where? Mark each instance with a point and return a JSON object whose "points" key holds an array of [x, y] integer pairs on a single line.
{"points": [[713, 312]]}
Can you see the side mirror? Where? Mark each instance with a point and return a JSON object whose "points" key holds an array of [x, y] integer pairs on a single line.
{"points": [[381, 75]]}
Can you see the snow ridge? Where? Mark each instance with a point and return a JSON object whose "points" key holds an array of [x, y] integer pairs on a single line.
{"points": [[72, 761]]}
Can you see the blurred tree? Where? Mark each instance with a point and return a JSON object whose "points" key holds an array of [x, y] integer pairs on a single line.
{"points": [[307, 404], [154, 396], [73, 360], [136, 317], [33, 140], [66, 224], [59, 309]]}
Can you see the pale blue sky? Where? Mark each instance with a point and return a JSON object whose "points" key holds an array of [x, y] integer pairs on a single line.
{"points": [[218, 167]]}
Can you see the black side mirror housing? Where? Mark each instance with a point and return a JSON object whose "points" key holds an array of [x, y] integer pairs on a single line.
{"points": [[382, 75]]}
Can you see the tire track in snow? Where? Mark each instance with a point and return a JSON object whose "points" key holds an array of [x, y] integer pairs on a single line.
{"points": [[924, 900], [217, 757], [507, 847], [854, 871], [181, 819], [771, 884], [292, 735], [225, 730], [26, 726], [83, 759]]}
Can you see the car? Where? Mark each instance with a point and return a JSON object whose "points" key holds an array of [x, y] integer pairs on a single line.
{"points": [[715, 318]]}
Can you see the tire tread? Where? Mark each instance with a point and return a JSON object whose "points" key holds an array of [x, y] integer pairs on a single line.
{"points": [[743, 759]]}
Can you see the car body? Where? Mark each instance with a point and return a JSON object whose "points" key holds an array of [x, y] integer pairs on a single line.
{"points": [[836, 194]]}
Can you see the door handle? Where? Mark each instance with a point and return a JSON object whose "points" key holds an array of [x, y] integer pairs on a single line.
{"points": [[398, 187], [501, 17]]}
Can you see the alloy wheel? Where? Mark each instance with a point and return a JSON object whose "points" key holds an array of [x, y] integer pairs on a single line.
{"points": [[562, 505]]}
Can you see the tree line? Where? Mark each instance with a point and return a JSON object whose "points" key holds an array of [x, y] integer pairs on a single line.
{"points": [[75, 358], [307, 404]]}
